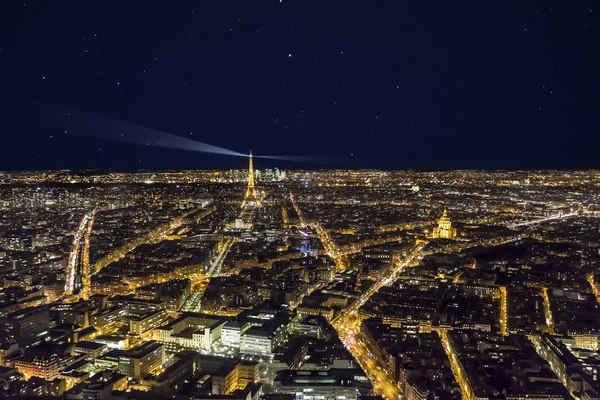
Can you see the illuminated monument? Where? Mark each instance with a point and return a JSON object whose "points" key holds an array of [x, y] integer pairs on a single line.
{"points": [[444, 229], [251, 201], [251, 198]]}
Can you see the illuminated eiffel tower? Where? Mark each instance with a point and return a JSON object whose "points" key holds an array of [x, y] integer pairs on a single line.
{"points": [[251, 198]]}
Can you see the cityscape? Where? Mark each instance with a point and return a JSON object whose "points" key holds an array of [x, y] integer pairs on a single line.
{"points": [[300, 200], [297, 284]]}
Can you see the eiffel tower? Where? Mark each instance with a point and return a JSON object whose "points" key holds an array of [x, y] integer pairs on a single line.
{"points": [[251, 198]]}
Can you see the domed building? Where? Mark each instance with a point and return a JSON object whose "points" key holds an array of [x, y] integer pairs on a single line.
{"points": [[444, 229]]}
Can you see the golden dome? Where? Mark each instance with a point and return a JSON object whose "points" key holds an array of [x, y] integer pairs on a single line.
{"points": [[445, 216]]}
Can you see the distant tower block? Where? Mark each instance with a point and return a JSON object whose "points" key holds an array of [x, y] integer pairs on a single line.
{"points": [[444, 229], [251, 198]]}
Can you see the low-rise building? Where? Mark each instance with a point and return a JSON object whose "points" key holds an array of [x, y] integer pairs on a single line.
{"points": [[232, 331], [190, 331], [27, 327], [263, 340], [103, 384], [332, 384], [142, 360], [170, 377], [47, 368], [145, 322], [106, 318], [92, 350], [305, 310], [113, 341]]}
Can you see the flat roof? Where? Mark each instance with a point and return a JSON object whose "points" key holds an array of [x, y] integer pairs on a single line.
{"points": [[89, 345]]}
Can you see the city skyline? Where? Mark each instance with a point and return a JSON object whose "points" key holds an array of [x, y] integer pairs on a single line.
{"points": [[299, 200], [248, 287]]}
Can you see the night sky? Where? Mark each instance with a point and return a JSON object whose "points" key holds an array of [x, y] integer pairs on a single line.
{"points": [[375, 84]]}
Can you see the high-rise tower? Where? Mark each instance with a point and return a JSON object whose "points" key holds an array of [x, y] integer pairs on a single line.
{"points": [[251, 198]]}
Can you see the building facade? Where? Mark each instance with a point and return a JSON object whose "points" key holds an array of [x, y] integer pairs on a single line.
{"points": [[444, 229]]}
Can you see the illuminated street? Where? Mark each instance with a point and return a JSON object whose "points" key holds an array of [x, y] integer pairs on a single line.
{"points": [[216, 264], [348, 325], [548, 311], [79, 256], [457, 368], [503, 311]]}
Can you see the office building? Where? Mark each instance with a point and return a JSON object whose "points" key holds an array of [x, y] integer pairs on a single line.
{"points": [[142, 360], [27, 327], [333, 384]]}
